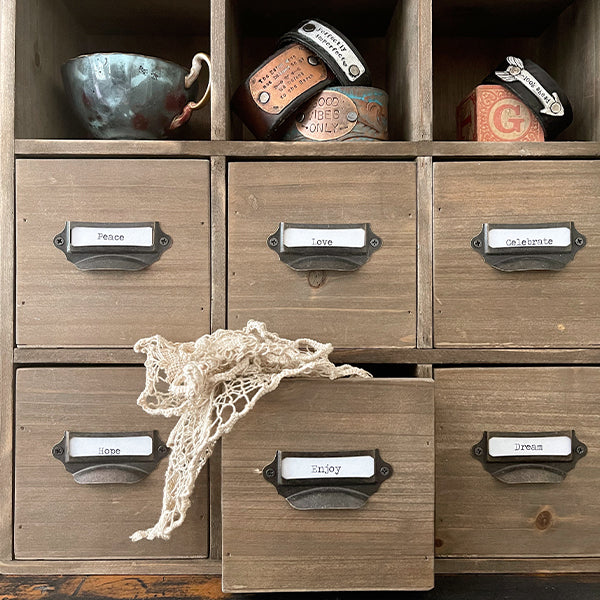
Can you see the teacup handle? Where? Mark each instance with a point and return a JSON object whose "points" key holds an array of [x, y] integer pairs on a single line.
{"points": [[186, 113]]}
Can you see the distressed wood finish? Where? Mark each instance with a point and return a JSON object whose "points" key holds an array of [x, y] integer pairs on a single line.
{"points": [[56, 518], [58, 305], [477, 305], [478, 516], [409, 71], [371, 307], [424, 252], [267, 545], [7, 219]]}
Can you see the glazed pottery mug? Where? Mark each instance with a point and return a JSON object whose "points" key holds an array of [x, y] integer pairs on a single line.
{"points": [[131, 96]]}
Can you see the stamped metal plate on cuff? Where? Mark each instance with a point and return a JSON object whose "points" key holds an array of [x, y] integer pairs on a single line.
{"points": [[328, 116], [292, 72], [112, 246], [531, 247], [532, 457], [324, 247], [335, 46], [110, 457], [327, 480]]}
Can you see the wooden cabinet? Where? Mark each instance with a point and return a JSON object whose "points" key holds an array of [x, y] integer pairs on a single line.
{"points": [[57, 516], [322, 548], [58, 304], [424, 298]]}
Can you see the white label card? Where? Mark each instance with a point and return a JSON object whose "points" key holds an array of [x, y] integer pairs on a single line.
{"points": [[530, 446], [294, 237], [110, 446], [343, 55], [546, 237], [111, 236], [296, 467]]}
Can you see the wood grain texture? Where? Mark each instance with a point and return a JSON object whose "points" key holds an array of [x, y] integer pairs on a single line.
{"points": [[478, 516], [477, 305], [268, 546], [220, 68], [570, 53], [7, 218], [503, 566], [410, 71], [424, 252], [56, 518], [117, 356], [58, 305], [139, 567], [34, 148], [371, 307]]}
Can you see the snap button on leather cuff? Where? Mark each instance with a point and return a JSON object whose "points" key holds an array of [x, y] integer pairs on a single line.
{"points": [[334, 48], [278, 87], [342, 113], [538, 90]]}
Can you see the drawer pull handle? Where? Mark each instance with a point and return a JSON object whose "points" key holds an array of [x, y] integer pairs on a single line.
{"points": [[533, 247], [327, 480], [531, 457], [112, 246], [324, 247], [99, 458]]}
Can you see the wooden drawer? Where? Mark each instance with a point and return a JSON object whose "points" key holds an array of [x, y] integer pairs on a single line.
{"points": [[59, 305], [373, 306], [386, 544], [477, 305], [478, 515], [57, 518]]}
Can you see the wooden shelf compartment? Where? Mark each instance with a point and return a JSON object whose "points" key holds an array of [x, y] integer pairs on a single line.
{"points": [[470, 39], [49, 32], [393, 36]]}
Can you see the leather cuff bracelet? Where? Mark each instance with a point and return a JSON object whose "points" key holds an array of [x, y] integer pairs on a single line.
{"points": [[277, 88], [537, 90], [342, 114], [336, 51]]}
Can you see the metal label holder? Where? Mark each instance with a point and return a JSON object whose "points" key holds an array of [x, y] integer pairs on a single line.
{"points": [[524, 257], [327, 493], [324, 257], [513, 469], [109, 469], [112, 257]]}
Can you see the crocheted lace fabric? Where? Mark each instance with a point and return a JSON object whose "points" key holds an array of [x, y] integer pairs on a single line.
{"points": [[210, 384]]}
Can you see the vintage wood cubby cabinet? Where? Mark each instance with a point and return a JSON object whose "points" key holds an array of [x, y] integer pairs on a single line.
{"points": [[457, 348]]}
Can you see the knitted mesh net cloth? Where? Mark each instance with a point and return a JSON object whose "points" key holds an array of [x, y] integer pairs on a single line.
{"points": [[210, 384]]}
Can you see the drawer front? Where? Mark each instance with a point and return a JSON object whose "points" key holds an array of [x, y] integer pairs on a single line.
{"points": [[58, 518], [373, 306], [480, 515], [387, 544], [476, 304], [60, 305]]}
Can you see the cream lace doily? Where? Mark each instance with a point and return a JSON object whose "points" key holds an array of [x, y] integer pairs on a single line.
{"points": [[210, 384]]}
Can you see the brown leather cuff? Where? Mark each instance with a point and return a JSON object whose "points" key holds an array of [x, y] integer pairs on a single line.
{"points": [[342, 113], [277, 88]]}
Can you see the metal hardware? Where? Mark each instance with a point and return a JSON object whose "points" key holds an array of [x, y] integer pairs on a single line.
{"points": [[530, 457], [100, 458], [327, 480], [324, 247], [112, 246], [264, 97], [532, 247]]}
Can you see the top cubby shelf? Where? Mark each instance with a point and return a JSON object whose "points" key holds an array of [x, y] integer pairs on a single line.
{"points": [[427, 54]]}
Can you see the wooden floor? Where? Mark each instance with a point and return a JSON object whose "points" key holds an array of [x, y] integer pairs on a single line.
{"points": [[460, 587]]}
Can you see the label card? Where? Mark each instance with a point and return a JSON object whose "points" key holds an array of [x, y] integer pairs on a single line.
{"points": [[324, 238], [530, 446], [327, 467], [111, 236], [110, 446], [547, 237]]}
